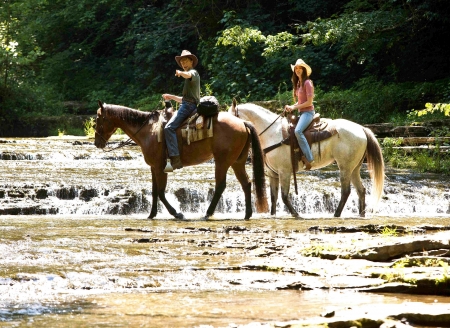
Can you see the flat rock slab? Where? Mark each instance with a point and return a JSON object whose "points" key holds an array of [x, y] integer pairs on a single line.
{"points": [[387, 315]]}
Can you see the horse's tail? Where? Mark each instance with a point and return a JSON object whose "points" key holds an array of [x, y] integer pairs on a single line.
{"points": [[375, 164], [259, 178]]}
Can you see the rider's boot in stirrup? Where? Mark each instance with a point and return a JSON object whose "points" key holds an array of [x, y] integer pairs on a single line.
{"points": [[307, 165], [176, 164]]}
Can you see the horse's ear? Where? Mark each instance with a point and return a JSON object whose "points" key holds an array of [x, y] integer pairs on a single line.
{"points": [[234, 102], [100, 104]]}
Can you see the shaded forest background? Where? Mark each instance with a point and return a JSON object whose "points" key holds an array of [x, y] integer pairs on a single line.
{"points": [[372, 61]]}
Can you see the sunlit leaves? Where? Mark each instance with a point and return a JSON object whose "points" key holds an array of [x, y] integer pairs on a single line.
{"points": [[430, 109], [279, 42], [241, 38]]}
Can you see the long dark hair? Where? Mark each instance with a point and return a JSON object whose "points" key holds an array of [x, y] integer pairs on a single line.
{"points": [[295, 81]]}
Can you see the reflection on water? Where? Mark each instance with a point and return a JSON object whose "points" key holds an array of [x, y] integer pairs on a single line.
{"points": [[211, 309], [126, 271], [93, 260]]}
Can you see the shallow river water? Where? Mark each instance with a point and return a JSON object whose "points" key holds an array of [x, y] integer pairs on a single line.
{"points": [[76, 249]]}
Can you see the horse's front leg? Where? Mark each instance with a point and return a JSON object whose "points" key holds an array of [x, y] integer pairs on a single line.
{"points": [[154, 209], [274, 188], [285, 182], [161, 183]]}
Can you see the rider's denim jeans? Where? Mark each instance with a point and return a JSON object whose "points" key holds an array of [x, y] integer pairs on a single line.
{"points": [[304, 120], [186, 109]]}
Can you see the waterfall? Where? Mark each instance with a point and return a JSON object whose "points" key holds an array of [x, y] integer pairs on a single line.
{"points": [[62, 176]]}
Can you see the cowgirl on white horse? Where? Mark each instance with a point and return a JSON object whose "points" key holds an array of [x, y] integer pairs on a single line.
{"points": [[303, 92]]}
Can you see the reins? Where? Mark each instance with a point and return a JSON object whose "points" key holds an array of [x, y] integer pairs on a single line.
{"points": [[281, 115]]}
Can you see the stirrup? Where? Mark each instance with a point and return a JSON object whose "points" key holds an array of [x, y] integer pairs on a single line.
{"points": [[168, 167]]}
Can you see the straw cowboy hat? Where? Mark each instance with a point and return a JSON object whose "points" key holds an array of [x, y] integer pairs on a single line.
{"points": [[187, 54], [301, 63]]}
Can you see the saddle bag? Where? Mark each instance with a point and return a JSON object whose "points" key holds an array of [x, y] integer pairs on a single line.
{"points": [[208, 106]]}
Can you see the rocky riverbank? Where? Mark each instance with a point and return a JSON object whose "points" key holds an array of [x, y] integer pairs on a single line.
{"points": [[129, 271]]}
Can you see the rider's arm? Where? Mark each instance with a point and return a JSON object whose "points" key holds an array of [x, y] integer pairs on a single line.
{"points": [[167, 96]]}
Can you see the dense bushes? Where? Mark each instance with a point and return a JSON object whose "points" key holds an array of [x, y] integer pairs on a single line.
{"points": [[372, 61], [371, 101]]}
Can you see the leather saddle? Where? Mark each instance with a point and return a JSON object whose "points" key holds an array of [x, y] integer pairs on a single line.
{"points": [[319, 129]]}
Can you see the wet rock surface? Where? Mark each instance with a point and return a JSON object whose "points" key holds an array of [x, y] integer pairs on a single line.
{"points": [[76, 248], [92, 257]]}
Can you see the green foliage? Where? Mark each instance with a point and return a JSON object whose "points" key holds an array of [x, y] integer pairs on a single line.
{"points": [[89, 127], [421, 160], [18, 47], [431, 111], [445, 279], [389, 231], [371, 61], [372, 101]]}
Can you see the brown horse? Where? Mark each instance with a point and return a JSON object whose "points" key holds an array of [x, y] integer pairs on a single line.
{"points": [[229, 146]]}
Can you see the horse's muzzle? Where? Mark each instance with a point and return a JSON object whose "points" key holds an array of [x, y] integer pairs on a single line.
{"points": [[99, 143]]}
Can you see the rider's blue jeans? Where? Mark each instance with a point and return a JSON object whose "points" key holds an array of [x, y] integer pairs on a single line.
{"points": [[186, 109], [304, 120]]}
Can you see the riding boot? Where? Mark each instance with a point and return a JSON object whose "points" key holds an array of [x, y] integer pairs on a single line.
{"points": [[176, 162], [307, 165]]}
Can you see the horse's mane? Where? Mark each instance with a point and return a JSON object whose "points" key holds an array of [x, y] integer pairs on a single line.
{"points": [[255, 108], [133, 116]]}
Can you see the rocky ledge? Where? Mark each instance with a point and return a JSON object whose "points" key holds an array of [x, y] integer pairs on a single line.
{"points": [[388, 260]]}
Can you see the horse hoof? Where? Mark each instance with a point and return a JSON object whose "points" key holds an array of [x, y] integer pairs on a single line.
{"points": [[179, 216]]}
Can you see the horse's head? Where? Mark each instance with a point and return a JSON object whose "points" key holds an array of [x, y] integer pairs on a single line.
{"points": [[104, 127]]}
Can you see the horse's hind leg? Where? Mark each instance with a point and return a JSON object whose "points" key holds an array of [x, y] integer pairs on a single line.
{"points": [[356, 181], [345, 192], [241, 175], [274, 188], [221, 182]]}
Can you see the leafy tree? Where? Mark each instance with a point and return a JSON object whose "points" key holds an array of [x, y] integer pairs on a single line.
{"points": [[123, 51]]}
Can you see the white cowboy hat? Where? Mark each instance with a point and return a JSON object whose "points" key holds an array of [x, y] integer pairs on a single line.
{"points": [[187, 54], [301, 63]]}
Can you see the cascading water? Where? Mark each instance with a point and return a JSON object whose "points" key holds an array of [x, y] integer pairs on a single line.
{"points": [[68, 175]]}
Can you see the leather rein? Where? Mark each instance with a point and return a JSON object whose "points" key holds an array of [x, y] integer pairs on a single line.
{"points": [[279, 144]]}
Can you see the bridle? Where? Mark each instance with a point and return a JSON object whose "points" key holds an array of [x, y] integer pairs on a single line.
{"points": [[122, 144]]}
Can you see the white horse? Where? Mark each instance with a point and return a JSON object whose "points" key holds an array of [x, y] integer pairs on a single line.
{"points": [[347, 148]]}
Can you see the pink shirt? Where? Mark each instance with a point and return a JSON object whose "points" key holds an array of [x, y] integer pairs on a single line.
{"points": [[303, 92]]}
